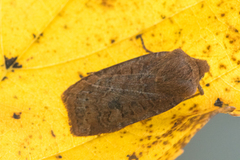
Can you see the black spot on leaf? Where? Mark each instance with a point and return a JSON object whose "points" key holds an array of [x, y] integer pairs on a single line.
{"points": [[17, 115], [9, 62], [218, 103], [132, 157]]}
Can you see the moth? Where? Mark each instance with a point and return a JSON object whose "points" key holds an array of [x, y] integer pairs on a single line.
{"points": [[131, 91]]}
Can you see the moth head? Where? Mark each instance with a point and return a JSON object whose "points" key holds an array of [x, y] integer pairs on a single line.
{"points": [[203, 67]]}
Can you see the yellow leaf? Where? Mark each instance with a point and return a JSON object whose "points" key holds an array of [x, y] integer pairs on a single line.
{"points": [[56, 42]]}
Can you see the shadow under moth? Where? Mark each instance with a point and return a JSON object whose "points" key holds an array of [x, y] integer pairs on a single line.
{"points": [[131, 91]]}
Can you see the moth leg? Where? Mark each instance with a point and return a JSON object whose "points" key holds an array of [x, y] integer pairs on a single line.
{"points": [[200, 89], [201, 92], [195, 95]]}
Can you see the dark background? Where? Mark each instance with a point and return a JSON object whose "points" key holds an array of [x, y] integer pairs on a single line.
{"points": [[219, 139]]}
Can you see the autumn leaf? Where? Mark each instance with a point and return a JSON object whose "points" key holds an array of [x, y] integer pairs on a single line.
{"points": [[46, 46]]}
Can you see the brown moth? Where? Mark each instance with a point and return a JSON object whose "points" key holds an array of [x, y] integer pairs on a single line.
{"points": [[131, 91]]}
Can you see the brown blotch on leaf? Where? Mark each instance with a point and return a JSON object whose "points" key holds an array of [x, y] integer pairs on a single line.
{"points": [[52, 133], [201, 119], [176, 123], [185, 126], [174, 116], [222, 66], [154, 142], [38, 38], [227, 89], [238, 62], [112, 41], [192, 120], [182, 142], [180, 31], [223, 14], [208, 47], [148, 137], [29, 58], [194, 106], [237, 80], [195, 111], [168, 133], [106, 3], [17, 115], [218, 103], [233, 59], [150, 126], [59, 157], [132, 157], [149, 146], [163, 16], [207, 85], [4, 78], [165, 142]]}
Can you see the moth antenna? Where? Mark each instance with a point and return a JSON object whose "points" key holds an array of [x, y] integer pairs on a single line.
{"points": [[144, 47], [195, 95]]}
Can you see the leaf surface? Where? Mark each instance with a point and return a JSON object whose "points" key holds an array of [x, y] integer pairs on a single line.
{"points": [[46, 47]]}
